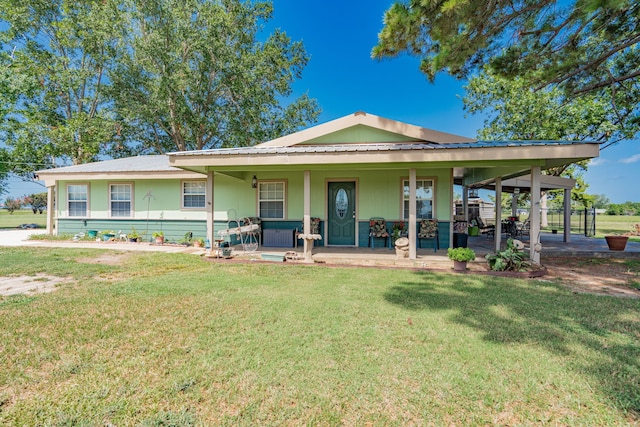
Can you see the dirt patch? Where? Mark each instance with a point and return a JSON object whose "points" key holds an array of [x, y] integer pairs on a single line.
{"points": [[106, 258], [604, 276], [29, 285]]}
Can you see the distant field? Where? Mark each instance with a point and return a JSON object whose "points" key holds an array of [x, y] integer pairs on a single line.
{"points": [[609, 224], [21, 217]]}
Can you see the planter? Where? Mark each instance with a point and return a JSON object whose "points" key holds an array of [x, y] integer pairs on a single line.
{"points": [[107, 237], [474, 231], [616, 243], [92, 233], [460, 265], [160, 240]]}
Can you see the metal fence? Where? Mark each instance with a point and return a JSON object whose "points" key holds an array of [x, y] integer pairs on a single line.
{"points": [[583, 221]]}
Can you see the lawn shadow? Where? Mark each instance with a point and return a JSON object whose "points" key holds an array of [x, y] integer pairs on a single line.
{"points": [[543, 314]]}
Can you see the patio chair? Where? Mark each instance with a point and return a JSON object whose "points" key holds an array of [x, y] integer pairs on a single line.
{"points": [[488, 229], [378, 230], [428, 230]]}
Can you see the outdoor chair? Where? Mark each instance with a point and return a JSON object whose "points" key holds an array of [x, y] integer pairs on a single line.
{"points": [[378, 230], [428, 230]]}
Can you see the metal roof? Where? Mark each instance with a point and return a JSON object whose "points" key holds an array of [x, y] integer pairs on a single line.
{"points": [[156, 163], [346, 148]]}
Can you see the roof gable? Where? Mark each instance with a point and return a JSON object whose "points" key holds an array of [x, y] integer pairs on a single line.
{"points": [[364, 128]]}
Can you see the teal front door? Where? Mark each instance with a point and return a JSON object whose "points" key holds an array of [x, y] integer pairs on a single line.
{"points": [[342, 214]]}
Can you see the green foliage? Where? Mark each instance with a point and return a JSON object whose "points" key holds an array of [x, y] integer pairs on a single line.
{"points": [[461, 254], [80, 80], [196, 76], [510, 259], [586, 49], [626, 208], [37, 202]]}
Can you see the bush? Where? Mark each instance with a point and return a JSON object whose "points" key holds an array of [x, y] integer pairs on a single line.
{"points": [[511, 259], [461, 254]]}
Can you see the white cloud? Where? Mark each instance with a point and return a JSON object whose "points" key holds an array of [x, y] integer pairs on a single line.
{"points": [[597, 161], [632, 159]]}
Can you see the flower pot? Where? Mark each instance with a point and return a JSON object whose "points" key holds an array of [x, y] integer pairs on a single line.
{"points": [[92, 233], [160, 240], [106, 237], [460, 265], [616, 243]]}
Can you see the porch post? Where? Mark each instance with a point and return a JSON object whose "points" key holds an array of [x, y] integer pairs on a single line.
{"points": [[210, 211], [534, 216], [307, 217], [50, 207], [567, 215], [412, 214], [465, 202], [498, 233]]}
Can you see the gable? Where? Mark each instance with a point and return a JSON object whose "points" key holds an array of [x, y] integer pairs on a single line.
{"points": [[359, 134]]}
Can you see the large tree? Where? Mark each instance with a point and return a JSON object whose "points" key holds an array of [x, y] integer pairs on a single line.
{"points": [[196, 76], [584, 47], [85, 79], [55, 58]]}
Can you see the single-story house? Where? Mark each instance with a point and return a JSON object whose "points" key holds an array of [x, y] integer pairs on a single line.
{"points": [[344, 172]]}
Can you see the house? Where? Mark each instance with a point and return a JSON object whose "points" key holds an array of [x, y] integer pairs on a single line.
{"points": [[344, 172]]}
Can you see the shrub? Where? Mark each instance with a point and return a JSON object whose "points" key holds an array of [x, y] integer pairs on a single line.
{"points": [[511, 259]]}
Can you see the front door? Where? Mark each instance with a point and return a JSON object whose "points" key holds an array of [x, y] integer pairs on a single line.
{"points": [[341, 214]]}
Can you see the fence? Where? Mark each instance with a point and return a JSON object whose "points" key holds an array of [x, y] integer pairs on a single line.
{"points": [[583, 221]]}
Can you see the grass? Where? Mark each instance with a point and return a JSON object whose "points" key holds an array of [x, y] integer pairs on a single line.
{"points": [[170, 339], [615, 224], [21, 217]]}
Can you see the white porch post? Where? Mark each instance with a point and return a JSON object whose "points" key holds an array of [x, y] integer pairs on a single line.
{"points": [[412, 214], [50, 207], [567, 215], [534, 216], [498, 232], [307, 217], [210, 211]]}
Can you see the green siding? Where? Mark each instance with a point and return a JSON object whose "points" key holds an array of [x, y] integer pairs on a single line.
{"points": [[174, 230], [359, 134]]}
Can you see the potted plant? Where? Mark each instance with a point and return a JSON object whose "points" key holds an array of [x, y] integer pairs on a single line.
{"points": [[108, 235], [133, 236], [616, 242], [397, 230], [159, 236], [460, 257], [198, 243]]}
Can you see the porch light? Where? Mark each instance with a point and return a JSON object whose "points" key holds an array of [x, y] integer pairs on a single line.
{"points": [[473, 193], [254, 182], [516, 190]]}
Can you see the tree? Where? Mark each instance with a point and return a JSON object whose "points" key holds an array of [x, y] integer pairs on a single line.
{"points": [[195, 76], [55, 58], [37, 202], [12, 204], [112, 78], [582, 47]]}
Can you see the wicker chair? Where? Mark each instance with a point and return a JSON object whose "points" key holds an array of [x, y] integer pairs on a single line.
{"points": [[428, 230], [378, 230]]}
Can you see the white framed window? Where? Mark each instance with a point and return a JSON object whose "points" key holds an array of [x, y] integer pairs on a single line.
{"points": [[271, 199], [424, 198], [194, 194], [120, 200], [78, 199]]}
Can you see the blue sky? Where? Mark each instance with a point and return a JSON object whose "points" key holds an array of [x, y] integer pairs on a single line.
{"points": [[339, 36]]}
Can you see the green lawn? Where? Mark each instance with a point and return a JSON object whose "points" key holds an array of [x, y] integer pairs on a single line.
{"points": [[21, 217], [612, 224], [170, 339]]}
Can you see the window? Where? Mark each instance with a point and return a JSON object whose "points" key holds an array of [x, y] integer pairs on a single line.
{"points": [[120, 200], [77, 199], [424, 198], [271, 199], [194, 194]]}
